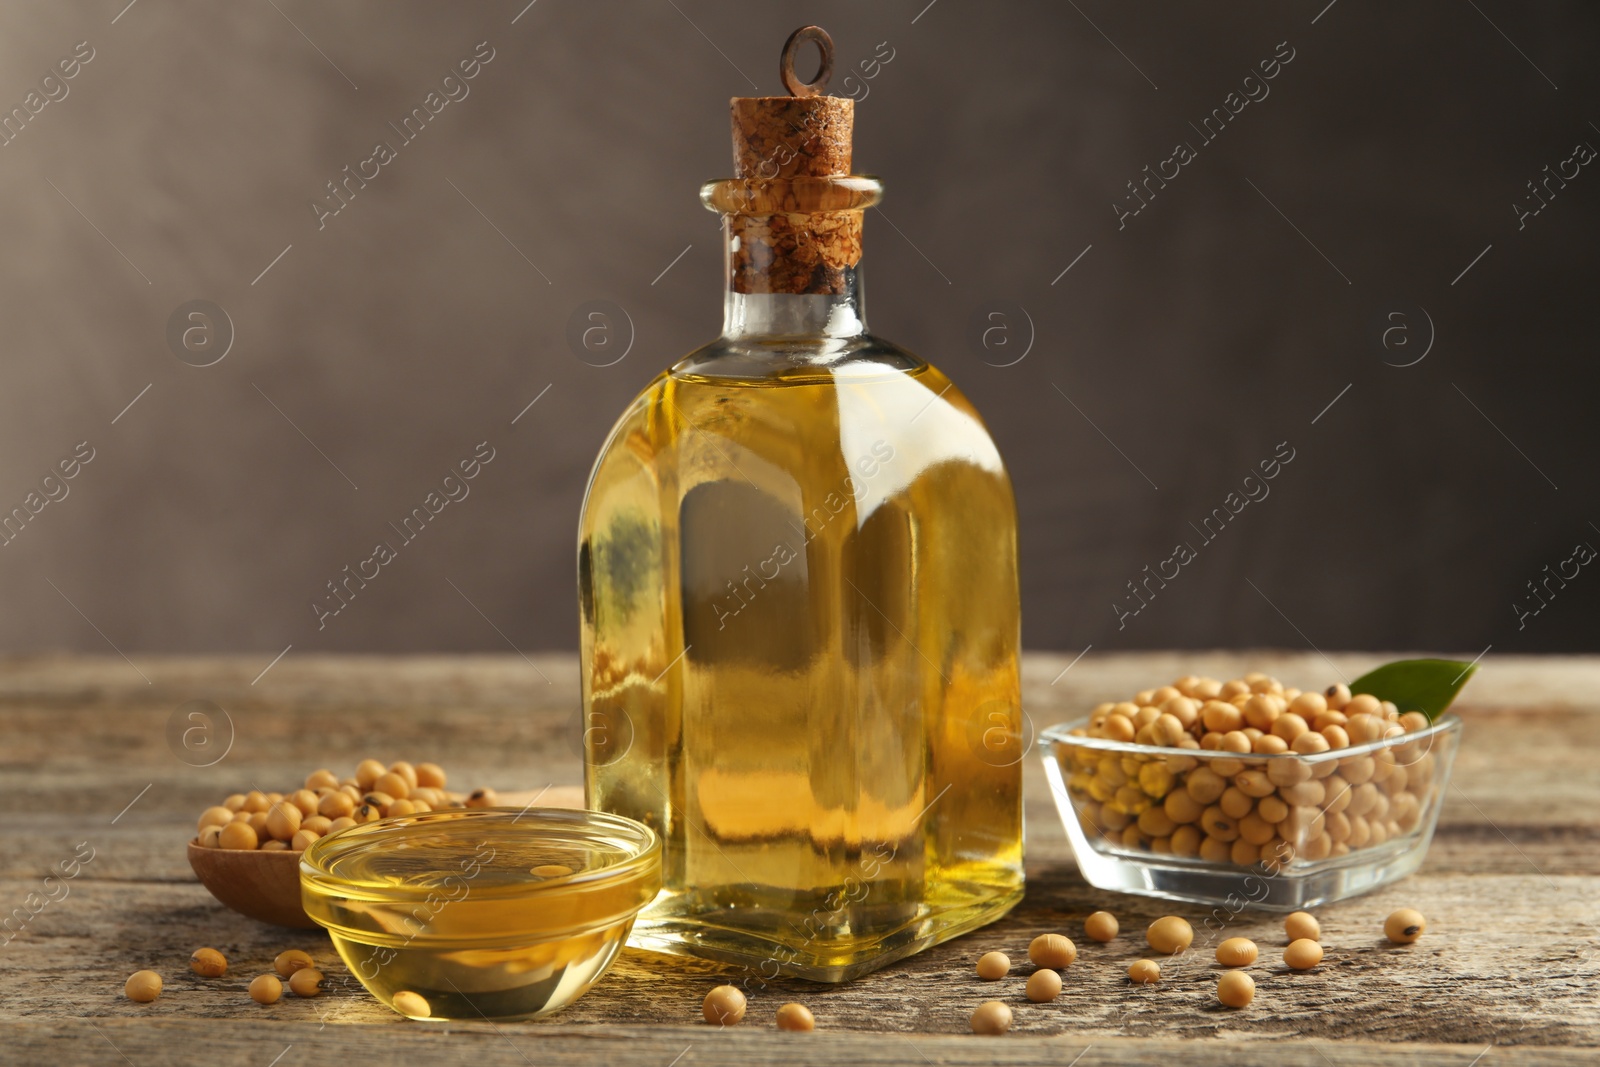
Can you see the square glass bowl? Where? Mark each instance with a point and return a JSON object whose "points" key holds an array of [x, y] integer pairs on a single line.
{"points": [[1277, 832]]}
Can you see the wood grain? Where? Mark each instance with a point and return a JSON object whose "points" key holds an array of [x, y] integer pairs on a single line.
{"points": [[118, 1042], [1510, 960]]}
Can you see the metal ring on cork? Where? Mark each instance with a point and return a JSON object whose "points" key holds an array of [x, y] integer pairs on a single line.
{"points": [[819, 84]]}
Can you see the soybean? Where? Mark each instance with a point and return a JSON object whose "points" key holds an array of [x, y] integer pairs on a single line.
{"points": [[790, 1017], [237, 835], [336, 805], [1404, 926], [1144, 972], [1413, 721], [1044, 985], [993, 966], [283, 820], [321, 779], [1302, 925], [1169, 935], [1302, 955], [1237, 952], [290, 961], [405, 770], [1052, 950], [367, 772], [266, 989], [992, 1018], [143, 986], [392, 784], [306, 982], [408, 1003], [208, 963], [1101, 926], [723, 1006], [218, 816], [1236, 989]]}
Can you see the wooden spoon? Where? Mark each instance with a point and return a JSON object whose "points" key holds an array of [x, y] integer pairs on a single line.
{"points": [[266, 885]]}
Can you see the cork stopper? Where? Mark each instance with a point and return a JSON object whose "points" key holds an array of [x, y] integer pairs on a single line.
{"points": [[792, 136], [777, 140]]}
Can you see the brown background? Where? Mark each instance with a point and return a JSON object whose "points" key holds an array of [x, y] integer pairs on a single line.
{"points": [[1190, 343]]}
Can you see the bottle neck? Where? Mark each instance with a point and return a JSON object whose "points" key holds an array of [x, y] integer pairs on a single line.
{"points": [[784, 316], [792, 255]]}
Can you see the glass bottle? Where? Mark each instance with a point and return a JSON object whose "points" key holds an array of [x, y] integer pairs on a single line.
{"points": [[798, 585]]}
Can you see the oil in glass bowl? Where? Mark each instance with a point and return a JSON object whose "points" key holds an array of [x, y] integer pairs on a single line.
{"points": [[481, 914]]}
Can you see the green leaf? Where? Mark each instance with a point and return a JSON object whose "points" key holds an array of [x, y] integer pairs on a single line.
{"points": [[1425, 685]]}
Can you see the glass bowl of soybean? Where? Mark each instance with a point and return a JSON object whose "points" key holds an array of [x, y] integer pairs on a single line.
{"points": [[1280, 832]]}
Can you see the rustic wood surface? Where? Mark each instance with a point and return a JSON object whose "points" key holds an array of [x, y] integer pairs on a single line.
{"points": [[1507, 971]]}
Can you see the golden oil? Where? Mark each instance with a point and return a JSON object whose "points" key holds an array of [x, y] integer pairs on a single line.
{"points": [[441, 915], [800, 633]]}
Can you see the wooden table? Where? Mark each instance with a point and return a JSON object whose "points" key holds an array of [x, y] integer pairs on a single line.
{"points": [[1507, 971]]}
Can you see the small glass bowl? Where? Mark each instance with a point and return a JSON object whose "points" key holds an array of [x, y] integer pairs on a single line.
{"points": [[1318, 828], [482, 913]]}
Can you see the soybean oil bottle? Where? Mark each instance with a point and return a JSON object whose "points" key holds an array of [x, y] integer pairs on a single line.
{"points": [[798, 587]]}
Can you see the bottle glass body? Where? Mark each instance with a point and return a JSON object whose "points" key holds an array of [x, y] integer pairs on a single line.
{"points": [[800, 630]]}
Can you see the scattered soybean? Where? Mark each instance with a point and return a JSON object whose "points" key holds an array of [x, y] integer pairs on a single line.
{"points": [[1404, 926], [993, 966], [1169, 935], [1236, 989], [991, 1018], [1101, 926], [208, 963], [143, 986], [723, 1006]]}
